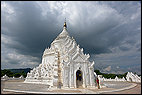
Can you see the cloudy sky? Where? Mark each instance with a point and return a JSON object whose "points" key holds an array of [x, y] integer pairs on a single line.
{"points": [[109, 31]]}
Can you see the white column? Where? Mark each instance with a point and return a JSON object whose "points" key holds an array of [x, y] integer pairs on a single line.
{"points": [[66, 77], [83, 74], [90, 77]]}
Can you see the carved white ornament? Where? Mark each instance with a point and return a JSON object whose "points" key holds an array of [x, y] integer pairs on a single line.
{"points": [[60, 63]]}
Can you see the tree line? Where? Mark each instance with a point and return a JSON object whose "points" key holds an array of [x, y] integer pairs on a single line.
{"points": [[11, 74], [112, 76]]}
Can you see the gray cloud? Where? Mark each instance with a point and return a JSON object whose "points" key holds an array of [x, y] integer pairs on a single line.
{"points": [[109, 28]]}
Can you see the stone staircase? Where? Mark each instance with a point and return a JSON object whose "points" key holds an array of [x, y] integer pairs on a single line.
{"points": [[59, 72]]}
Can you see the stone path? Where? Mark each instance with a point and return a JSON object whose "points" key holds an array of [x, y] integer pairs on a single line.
{"points": [[117, 85], [18, 87], [134, 90]]}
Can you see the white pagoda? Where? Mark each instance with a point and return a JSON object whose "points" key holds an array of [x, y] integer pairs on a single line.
{"points": [[64, 65]]}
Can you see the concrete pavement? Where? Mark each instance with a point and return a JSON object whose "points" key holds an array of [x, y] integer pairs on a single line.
{"points": [[14, 86]]}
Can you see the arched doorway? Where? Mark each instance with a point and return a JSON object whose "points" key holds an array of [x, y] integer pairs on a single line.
{"points": [[79, 79], [130, 79]]}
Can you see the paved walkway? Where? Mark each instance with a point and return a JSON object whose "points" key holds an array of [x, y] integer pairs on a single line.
{"points": [[134, 90], [18, 87]]}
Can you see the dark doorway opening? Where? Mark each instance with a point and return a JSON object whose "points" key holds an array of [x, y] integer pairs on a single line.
{"points": [[130, 79], [79, 79]]}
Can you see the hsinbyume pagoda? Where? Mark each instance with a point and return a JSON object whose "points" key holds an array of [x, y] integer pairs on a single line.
{"points": [[64, 65]]}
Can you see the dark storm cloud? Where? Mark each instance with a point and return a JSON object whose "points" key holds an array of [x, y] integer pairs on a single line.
{"points": [[99, 27], [29, 29]]}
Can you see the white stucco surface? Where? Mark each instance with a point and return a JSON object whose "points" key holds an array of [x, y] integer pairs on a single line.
{"points": [[60, 62]]}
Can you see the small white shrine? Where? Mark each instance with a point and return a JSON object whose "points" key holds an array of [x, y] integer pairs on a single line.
{"points": [[21, 77], [5, 77], [133, 77], [115, 79], [130, 77], [64, 65]]}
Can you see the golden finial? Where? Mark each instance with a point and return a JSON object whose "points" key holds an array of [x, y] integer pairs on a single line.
{"points": [[65, 23]]}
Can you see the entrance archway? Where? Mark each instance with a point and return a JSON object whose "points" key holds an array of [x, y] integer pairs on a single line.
{"points": [[130, 79], [79, 79]]}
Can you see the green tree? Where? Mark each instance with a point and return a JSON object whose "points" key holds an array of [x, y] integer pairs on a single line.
{"points": [[23, 73], [97, 72], [17, 75], [112, 76], [7, 72]]}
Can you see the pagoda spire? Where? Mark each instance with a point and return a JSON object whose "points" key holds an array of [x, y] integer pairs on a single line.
{"points": [[65, 26]]}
